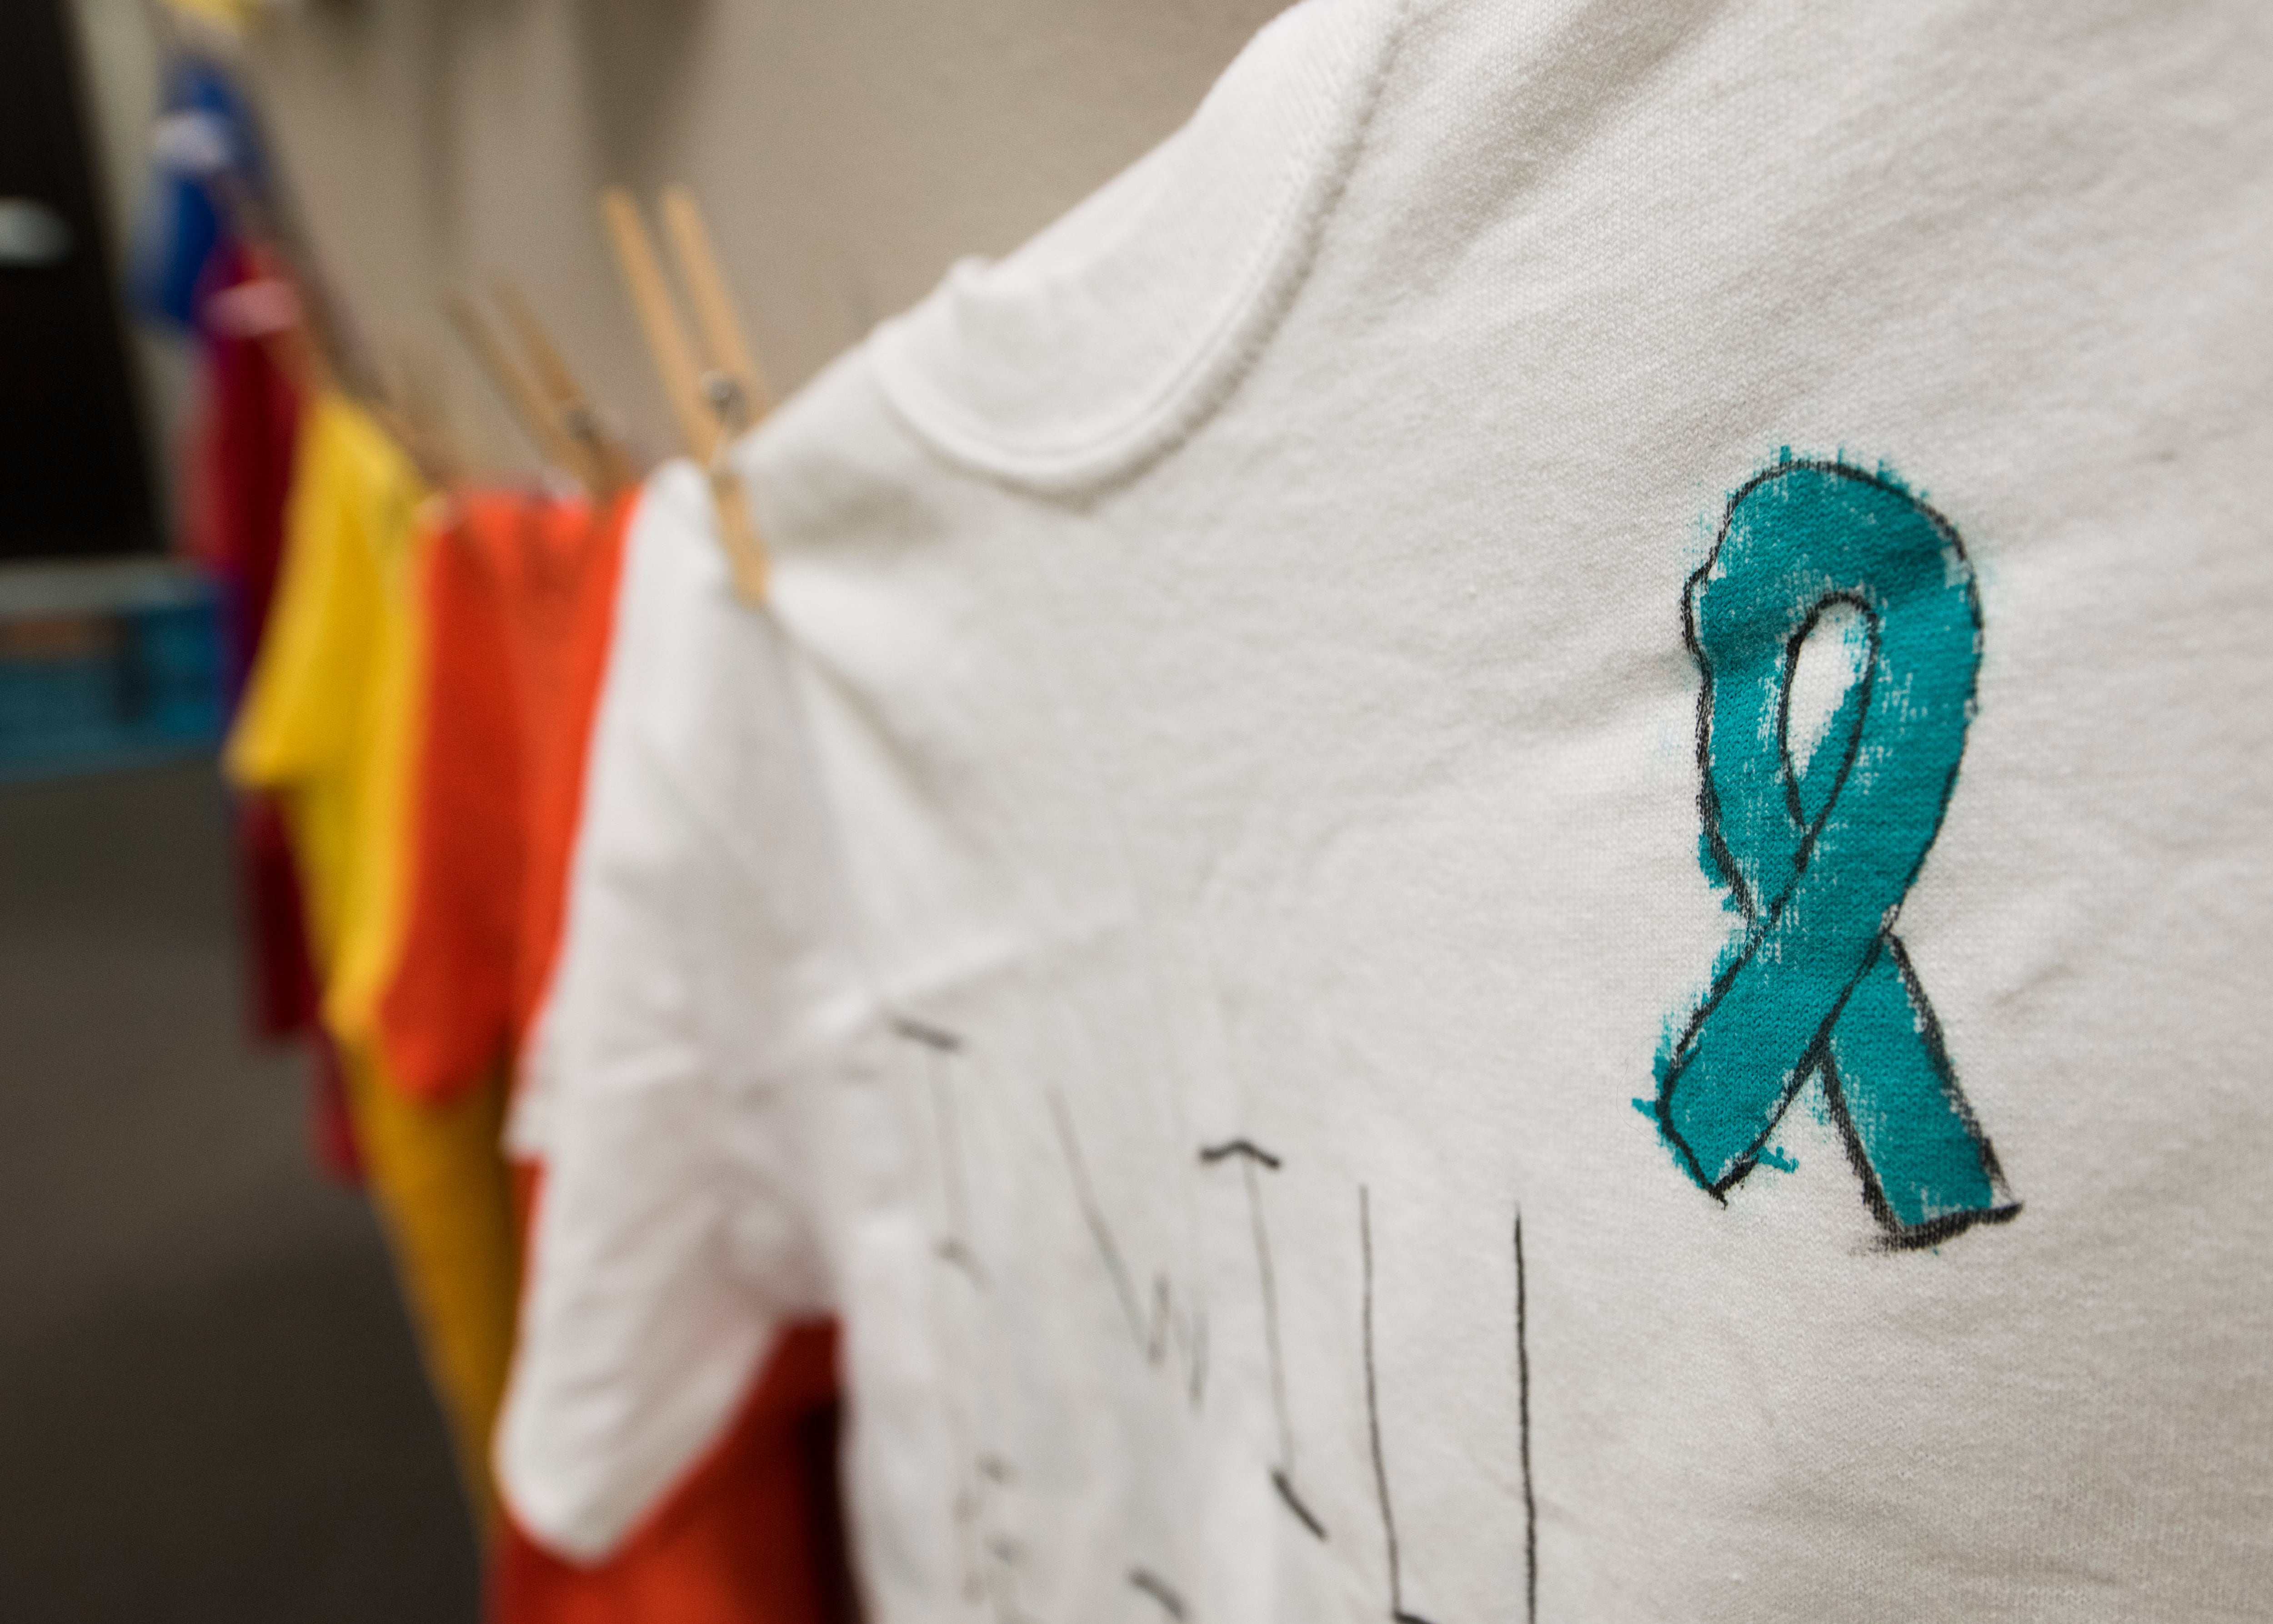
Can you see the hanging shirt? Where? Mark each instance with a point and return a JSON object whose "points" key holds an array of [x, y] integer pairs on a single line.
{"points": [[1558, 749], [240, 468], [750, 1535], [519, 593], [563, 585], [237, 478], [522, 599], [703, 1010], [448, 1015], [328, 727]]}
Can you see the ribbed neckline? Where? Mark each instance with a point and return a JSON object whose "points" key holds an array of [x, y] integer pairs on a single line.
{"points": [[1099, 344]]}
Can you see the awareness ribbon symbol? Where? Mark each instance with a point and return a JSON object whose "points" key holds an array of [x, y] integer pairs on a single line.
{"points": [[1819, 856]]}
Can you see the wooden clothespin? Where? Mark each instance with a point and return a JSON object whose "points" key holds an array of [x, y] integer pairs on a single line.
{"points": [[523, 399], [715, 398], [732, 364], [608, 464], [408, 407]]}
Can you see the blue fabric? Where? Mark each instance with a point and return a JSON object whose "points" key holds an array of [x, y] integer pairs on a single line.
{"points": [[182, 221]]}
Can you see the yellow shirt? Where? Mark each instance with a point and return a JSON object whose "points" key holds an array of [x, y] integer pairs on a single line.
{"points": [[327, 725]]}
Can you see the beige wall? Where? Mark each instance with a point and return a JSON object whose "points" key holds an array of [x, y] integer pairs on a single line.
{"points": [[846, 151]]}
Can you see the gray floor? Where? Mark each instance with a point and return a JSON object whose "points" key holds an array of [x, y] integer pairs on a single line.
{"points": [[209, 1405]]}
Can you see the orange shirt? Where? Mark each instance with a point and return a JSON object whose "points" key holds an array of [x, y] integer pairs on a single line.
{"points": [[521, 598]]}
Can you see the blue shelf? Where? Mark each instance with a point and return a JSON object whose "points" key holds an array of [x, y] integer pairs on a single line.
{"points": [[107, 666]]}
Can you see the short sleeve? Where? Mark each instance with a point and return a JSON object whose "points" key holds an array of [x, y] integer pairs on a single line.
{"points": [[297, 714], [676, 1231]]}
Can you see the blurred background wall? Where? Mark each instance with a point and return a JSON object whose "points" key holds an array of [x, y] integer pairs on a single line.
{"points": [[212, 1406], [846, 151]]}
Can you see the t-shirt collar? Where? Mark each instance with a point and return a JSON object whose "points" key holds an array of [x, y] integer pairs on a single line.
{"points": [[1088, 352]]}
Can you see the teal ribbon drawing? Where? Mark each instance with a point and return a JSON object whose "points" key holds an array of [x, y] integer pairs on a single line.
{"points": [[1819, 856]]}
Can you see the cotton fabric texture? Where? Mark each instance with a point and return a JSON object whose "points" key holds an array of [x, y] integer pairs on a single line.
{"points": [[1248, 641]]}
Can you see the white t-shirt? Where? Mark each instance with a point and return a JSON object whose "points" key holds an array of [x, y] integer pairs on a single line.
{"points": [[705, 1031], [1419, 1106]]}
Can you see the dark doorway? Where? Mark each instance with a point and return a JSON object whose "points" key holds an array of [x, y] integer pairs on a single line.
{"points": [[73, 480]]}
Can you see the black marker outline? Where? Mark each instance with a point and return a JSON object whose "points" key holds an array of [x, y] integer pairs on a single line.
{"points": [[1003, 1553], [988, 1554], [954, 1175], [1211, 1154], [1195, 1355], [1397, 1613], [925, 1034], [1101, 1231], [1251, 1156], [938, 1044], [1294, 1503], [1168, 1324], [1523, 1432], [971, 1541], [1159, 1590], [1897, 1238]]}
